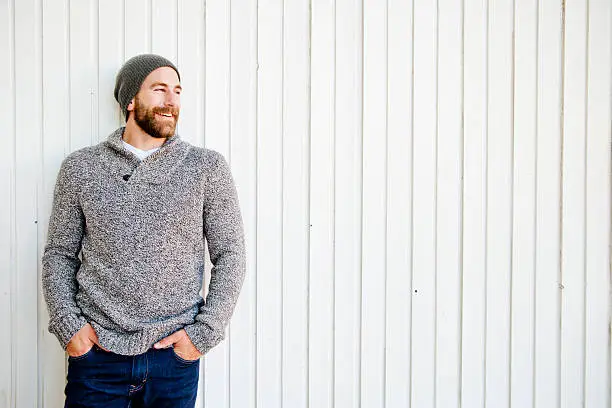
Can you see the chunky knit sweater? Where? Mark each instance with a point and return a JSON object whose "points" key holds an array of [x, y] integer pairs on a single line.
{"points": [[139, 227]]}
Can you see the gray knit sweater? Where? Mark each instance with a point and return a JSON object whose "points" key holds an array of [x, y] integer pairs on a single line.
{"points": [[139, 227]]}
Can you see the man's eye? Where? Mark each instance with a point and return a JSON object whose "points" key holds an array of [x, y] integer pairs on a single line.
{"points": [[159, 89]]}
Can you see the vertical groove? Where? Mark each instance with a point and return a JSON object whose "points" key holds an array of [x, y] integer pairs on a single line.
{"points": [[435, 211], [123, 30], [13, 177], [68, 140], [229, 158], [203, 381], [39, 186], [512, 199], [535, 206], [411, 196], [95, 92], [308, 263], [386, 200], [202, 86], [229, 81], [359, 360], [584, 198], [609, 339], [360, 194], [122, 51], [149, 13], [178, 30], [282, 204], [13, 204], [486, 200], [462, 206], [256, 201], [333, 159], [561, 207]]}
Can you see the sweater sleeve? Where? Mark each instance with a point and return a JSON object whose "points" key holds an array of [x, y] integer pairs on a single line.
{"points": [[224, 233], [60, 261]]}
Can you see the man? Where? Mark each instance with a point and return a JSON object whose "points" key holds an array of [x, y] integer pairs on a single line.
{"points": [[137, 208]]}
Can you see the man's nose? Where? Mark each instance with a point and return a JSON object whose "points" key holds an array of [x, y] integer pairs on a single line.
{"points": [[172, 99]]}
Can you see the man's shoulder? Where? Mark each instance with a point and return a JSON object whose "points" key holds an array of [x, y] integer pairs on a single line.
{"points": [[207, 157], [82, 156]]}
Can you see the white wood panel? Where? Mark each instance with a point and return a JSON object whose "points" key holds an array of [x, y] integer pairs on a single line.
{"points": [[399, 205], [524, 201], [459, 149], [7, 215], [322, 202], [110, 58], [296, 164], [296, 177], [243, 153], [499, 203], [191, 60], [216, 136], [191, 64], [548, 196], [164, 30], [218, 60], [425, 143], [56, 145], [597, 234], [137, 27], [269, 203], [448, 211], [28, 109], [83, 71], [374, 204], [474, 204], [573, 206]]}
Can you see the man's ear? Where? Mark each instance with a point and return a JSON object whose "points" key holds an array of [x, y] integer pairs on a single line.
{"points": [[130, 106]]}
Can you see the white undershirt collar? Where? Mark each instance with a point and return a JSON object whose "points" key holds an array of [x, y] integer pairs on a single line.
{"points": [[141, 154]]}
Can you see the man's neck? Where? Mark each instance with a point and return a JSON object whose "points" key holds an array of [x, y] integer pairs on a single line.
{"points": [[138, 138]]}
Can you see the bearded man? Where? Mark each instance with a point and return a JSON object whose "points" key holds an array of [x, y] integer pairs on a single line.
{"points": [[124, 261]]}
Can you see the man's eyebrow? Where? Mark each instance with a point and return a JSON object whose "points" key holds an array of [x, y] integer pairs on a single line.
{"points": [[165, 85]]}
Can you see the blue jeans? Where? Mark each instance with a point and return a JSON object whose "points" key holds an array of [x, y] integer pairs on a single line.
{"points": [[157, 378]]}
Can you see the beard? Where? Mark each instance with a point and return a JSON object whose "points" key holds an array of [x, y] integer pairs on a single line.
{"points": [[145, 118]]}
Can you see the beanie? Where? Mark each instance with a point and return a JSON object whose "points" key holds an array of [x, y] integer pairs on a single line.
{"points": [[133, 73]]}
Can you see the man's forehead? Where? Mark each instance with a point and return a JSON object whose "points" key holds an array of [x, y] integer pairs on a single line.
{"points": [[164, 75]]}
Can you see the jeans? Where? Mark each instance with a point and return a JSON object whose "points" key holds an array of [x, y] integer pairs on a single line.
{"points": [[157, 378]]}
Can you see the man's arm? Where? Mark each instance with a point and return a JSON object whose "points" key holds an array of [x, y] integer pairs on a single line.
{"points": [[223, 229], [60, 261]]}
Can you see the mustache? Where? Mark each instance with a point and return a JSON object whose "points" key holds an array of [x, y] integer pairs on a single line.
{"points": [[173, 112]]}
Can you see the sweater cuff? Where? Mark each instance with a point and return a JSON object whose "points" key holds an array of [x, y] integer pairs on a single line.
{"points": [[66, 326], [203, 337]]}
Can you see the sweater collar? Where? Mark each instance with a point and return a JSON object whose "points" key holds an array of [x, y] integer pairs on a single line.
{"points": [[157, 168], [114, 140]]}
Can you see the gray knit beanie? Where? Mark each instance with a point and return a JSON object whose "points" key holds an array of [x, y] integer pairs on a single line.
{"points": [[133, 73]]}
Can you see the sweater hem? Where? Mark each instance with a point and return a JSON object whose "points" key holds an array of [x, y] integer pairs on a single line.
{"points": [[134, 343]]}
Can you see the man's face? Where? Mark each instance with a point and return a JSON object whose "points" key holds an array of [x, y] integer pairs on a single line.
{"points": [[157, 104]]}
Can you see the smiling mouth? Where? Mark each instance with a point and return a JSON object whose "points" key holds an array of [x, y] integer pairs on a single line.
{"points": [[165, 115]]}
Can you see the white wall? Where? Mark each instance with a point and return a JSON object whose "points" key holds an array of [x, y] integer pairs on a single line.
{"points": [[425, 189]]}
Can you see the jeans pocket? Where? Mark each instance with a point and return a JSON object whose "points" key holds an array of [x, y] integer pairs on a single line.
{"points": [[83, 356], [181, 359]]}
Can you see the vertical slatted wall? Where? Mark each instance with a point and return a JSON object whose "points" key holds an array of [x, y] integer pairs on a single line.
{"points": [[425, 188]]}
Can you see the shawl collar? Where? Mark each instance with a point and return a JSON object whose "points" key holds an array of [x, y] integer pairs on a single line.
{"points": [[156, 169]]}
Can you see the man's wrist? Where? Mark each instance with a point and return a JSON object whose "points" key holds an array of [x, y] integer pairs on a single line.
{"points": [[194, 334], [66, 327]]}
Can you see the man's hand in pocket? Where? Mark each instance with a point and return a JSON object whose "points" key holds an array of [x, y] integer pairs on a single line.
{"points": [[183, 347], [82, 341]]}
